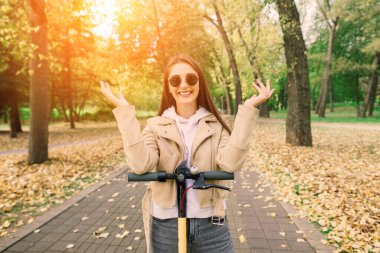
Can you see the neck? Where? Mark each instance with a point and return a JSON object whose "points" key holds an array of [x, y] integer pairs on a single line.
{"points": [[186, 111]]}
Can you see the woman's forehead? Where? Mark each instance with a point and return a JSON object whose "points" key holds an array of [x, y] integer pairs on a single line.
{"points": [[181, 69]]}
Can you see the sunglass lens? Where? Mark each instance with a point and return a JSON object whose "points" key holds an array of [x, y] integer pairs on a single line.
{"points": [[191, 79], [175, 81]]}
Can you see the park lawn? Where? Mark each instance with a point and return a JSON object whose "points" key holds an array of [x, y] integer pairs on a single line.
{"points": [[344, 113], [60, 133], [335, 183]]}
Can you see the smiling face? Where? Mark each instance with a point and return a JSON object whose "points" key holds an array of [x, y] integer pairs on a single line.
{"points": [[185, 95]]}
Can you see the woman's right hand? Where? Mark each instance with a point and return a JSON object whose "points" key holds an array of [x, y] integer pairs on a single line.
{"points": [[116, 101]]}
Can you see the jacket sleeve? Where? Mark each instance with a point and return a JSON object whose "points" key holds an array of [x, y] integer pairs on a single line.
{"points": [[141, 149], [232, 150]]}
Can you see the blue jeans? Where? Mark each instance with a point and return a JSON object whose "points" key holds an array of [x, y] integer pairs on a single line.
{"points": [[202, 236]]}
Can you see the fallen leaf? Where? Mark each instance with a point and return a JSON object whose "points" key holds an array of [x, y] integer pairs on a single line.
{"points": [[242, 239]]}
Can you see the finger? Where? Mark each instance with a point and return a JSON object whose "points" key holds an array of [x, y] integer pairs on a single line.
{"points": [[260, 83], [268, 86], [270, 93], [121, 96], [256, 86], [103, 88]]}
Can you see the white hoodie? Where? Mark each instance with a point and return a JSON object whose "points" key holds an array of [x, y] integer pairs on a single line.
{"points": [[187, 129]]}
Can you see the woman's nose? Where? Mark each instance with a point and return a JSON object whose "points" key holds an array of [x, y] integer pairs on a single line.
{"points": [[183, 82]]}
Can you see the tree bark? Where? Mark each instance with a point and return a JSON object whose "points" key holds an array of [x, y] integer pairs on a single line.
{"points": [[370, 94], [39, 117], [231, 57], [298, 128]]}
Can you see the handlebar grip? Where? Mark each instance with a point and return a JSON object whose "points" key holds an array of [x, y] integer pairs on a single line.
{"points": [[218, 175], [150, 176]]}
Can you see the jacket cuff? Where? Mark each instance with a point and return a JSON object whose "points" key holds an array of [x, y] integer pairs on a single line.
{"points": [[123, 110]]}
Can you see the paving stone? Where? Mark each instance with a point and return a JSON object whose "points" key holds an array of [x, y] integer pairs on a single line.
{"points": [[59, 246], [40, 246], [83, 247], [279, 245], [21, 246], [255, 233], [300, 246], [52, 237], [259, 243], [270, 226], [34, 237], [273, 234]]}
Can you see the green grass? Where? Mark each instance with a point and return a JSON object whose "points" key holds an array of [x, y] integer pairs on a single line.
{"points": [[343, 113]]}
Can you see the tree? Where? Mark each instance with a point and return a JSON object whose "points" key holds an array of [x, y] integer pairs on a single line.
{"points": [[298, 128], [39, 78], [228, 46], [331, 23], [70, 53], [13, 61]]}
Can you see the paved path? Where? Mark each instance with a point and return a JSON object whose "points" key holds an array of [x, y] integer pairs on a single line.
{"points": [[114, 205]]}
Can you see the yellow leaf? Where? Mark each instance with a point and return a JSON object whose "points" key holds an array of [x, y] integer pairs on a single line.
{"points": [[242, 239]]}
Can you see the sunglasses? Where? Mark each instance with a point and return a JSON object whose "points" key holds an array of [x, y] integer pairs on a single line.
{"points": [[191, 79]]}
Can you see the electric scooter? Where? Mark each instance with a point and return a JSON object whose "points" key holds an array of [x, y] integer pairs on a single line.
{"points": [[181, 174]]}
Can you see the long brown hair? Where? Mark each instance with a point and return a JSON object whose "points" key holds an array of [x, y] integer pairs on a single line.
{"points": [[204, 97]]}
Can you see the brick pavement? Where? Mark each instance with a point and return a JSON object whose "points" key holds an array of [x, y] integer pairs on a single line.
{"points": [[115, 206]]}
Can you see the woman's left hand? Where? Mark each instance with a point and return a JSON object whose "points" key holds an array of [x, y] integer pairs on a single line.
{"points": [[264, 94]]}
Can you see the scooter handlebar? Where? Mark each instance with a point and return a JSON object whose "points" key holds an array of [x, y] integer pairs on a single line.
{"points": [[153, 176]]}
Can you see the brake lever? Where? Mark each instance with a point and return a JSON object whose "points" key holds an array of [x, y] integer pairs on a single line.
{"points": [[200, 184]]}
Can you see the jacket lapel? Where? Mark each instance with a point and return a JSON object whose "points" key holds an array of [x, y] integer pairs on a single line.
{"points": [[203, 131], [167, 128]]}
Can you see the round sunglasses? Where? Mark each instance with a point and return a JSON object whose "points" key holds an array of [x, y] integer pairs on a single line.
{"points": [[190, 79]]}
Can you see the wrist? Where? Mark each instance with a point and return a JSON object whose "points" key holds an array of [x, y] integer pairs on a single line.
{"points": [[250, 104]]}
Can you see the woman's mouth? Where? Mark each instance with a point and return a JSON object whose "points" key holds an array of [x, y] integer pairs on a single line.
{"points": [[184, 93]]}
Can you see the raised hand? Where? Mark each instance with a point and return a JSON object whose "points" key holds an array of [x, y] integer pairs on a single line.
{"points": [[115, 100], [264, 94]]}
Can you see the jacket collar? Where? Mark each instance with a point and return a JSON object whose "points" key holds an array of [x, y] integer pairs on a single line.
{"points": [[163, 121]]}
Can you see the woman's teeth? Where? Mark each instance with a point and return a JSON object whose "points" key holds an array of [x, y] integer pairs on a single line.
{"points": [[184, 93]]}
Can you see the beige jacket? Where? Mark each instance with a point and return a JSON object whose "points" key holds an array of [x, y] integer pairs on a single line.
{"points": [[160, 148]]}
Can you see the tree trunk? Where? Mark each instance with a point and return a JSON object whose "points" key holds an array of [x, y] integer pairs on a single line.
{"points": [[228, 99], [298, 128], [264, 108], [313, 102], [230, 53], [161, 57], [331, 96], [327, 69], [372, 104], [67, 81], [14, 116], [370, 94], [357, 95], [39, 117], [224, 78]]}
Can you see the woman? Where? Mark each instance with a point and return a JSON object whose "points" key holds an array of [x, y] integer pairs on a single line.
{"points": [[189, 130]]}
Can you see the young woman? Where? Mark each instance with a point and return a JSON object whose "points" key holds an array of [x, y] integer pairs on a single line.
{"points": [[188, 130]]}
